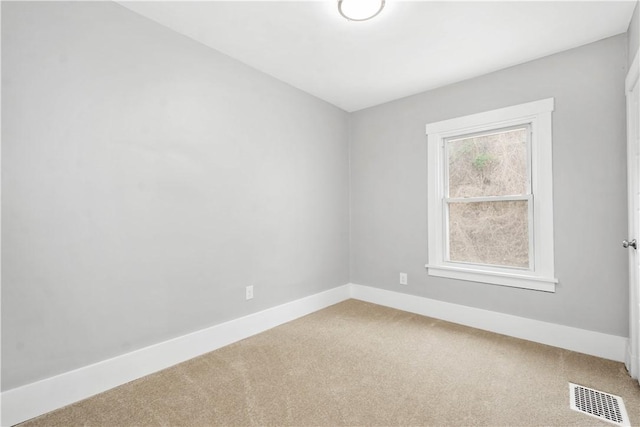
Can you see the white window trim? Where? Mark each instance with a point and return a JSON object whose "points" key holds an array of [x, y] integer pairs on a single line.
{"points": [[538, 114]]}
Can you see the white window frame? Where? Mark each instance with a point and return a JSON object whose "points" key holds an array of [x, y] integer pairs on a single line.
{"points": [[540, 276]]}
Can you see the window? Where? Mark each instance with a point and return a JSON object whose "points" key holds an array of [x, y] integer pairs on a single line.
{"points": [[491, 197]]}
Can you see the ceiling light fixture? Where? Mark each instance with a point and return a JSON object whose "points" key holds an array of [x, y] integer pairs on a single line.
{"points": [[360, 10]]}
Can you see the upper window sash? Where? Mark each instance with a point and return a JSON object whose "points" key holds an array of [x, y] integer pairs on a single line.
{"points": [[446, 152]]}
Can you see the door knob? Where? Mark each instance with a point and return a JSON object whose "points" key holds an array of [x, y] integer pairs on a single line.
{"points": [[626, 244]]}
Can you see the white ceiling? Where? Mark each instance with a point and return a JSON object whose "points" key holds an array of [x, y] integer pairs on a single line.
{"points": [[412, 46]]}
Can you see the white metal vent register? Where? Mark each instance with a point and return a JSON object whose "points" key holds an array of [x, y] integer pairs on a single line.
{"points": [[604, 406]]}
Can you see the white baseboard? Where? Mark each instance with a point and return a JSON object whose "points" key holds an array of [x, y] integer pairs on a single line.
{"points": [[23, 403], [581, 340]]}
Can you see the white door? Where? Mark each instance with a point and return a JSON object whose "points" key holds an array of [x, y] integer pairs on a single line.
{"points": [[633, 186]]}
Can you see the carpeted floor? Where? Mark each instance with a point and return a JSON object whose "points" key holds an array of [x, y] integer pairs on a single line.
{"points": [[356, 364]]}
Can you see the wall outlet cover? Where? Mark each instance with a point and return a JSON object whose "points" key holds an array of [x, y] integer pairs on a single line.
{"points": [[403, 278]]}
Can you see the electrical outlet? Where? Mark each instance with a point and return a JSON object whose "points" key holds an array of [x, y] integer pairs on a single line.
{"points": [[249, 292], [403, 278]]}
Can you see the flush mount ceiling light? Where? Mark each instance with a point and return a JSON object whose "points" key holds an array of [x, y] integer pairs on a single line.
{"points": [[360, 10]]}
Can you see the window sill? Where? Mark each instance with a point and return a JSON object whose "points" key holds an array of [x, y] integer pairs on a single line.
{"points": [[515, 280]]}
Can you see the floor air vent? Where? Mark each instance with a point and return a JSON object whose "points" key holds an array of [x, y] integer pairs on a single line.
{"points": [[604, 406]]}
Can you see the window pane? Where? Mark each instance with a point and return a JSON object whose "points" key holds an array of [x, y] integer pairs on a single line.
{"points": [[494, 233], [489, 165]]}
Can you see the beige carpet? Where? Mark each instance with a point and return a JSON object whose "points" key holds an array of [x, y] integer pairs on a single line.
{"points": [[360, 364]]}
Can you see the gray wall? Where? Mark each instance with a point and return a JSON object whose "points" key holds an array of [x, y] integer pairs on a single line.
{"points": [[389, 188], [146, 180], [633, 34]]}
